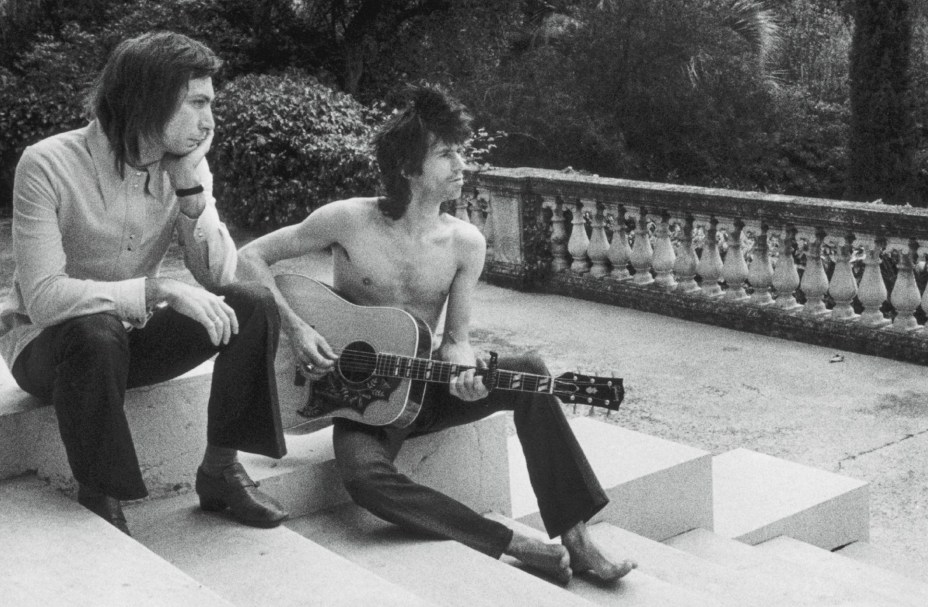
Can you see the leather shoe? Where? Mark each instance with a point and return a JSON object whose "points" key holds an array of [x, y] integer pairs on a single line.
{"points": [[104, 506], [236, 491]]}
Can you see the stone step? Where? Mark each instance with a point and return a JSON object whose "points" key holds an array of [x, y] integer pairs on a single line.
{"points": [[646, 585], [899, 588], [866, 552], [758, 497], [56, 552], [256, 567], [168, 422], [657, 488], [812, 586], [467, 463], [442, 571]]}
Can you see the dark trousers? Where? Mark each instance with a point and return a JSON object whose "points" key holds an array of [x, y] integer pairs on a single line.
{"points": [[84, 366], [564, 484]]}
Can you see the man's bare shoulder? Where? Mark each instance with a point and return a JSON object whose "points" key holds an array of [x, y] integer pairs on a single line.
{"points": [[351, 209], [465, 233]]}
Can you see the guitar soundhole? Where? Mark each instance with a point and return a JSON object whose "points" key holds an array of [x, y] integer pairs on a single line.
{"points": [[357, 362]]}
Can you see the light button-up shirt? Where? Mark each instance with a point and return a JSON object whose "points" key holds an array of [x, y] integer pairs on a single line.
{"points": [[85, 238]]}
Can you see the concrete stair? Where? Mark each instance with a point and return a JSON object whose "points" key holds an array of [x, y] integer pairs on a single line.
{"points": [[666, 500], [442, 571], [882, 558], [55, 552], [825, 583], [257, 567]]}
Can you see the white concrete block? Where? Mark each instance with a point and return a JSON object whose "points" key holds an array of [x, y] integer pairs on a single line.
{"points": [[168, 423], [656, 488], [758, 497], [469, 463]]}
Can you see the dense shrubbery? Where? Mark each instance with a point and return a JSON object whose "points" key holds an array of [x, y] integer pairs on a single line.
{"points": [[286, 145], [44, 95]]}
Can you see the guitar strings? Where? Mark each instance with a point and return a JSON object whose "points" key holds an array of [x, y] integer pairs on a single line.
{"points": [[361, 361]]}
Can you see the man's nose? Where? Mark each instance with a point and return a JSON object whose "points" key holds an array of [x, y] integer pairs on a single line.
{"points": [[206, 120]]}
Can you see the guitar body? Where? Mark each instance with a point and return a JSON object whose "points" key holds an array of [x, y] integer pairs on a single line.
{"points": [[352, 391]]}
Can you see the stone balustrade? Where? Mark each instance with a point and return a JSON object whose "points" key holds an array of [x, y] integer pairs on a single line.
{"points": [[829, 272]]}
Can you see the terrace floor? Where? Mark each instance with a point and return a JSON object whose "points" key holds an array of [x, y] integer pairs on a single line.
{"points": [[718, 389]]}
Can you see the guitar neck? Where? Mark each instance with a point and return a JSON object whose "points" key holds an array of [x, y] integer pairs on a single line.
{"points": [[440, 372]]}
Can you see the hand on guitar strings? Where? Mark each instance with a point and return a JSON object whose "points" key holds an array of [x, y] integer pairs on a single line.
{"points": [[312, 352], [468, 386]]}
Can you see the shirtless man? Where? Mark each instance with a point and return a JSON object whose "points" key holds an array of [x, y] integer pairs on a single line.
{"points": [[402, 251]]}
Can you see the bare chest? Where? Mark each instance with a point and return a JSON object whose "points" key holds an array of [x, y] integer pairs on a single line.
{"points": [[414, 276]]}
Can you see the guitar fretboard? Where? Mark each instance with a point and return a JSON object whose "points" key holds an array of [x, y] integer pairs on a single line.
{"points": [[423, 369]]}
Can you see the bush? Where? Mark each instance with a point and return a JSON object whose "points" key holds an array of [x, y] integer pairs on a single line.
{"points": [[286, 145], [44, 96]]}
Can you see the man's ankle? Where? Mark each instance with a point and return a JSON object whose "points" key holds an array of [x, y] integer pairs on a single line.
{"points": [[217, 459]]}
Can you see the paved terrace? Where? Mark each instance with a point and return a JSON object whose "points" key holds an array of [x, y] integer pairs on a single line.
{"points": [[719, 389]]}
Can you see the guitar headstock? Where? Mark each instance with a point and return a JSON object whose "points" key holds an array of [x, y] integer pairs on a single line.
{"points": [[607, 392]]}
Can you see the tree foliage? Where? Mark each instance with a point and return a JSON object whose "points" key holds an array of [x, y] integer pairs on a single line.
{"points": [[883, 137]]}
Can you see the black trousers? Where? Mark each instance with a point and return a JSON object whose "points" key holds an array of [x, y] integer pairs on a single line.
{"points": [[564, 484], [84, 366]]}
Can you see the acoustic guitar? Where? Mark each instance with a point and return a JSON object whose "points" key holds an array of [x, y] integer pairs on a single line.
{"points": [[384, 365]]}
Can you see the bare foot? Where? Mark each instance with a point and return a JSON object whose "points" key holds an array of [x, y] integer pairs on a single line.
{"points": [[586, 557], [552, 560]]}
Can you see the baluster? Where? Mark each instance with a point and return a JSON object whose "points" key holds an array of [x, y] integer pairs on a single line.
{"points": [[905, 296], [477, 216], [760, 274], [486, 205], [599, 244], [785, 275], [642, 253], [664, 257], [685, 265], [579, 242], [843, 286], [460, 206], [872, 290], [561, 260], [924, 302], [710, 264], [735, 268], [619, 251], [814, 283]]}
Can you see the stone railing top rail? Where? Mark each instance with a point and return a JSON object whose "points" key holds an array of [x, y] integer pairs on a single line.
{"points": [[837, 217]]}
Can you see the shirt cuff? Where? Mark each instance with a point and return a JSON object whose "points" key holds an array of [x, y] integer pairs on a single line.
{"points": [[129, 297]]}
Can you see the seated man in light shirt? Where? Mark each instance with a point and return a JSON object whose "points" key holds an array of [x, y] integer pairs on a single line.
{"points": [[95, 210]]}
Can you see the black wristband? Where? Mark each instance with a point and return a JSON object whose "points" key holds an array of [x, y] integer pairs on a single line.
{"points": [[197, 189]]}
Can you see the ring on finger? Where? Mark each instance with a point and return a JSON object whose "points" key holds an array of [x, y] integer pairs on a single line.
{"points": [[309, 367]]}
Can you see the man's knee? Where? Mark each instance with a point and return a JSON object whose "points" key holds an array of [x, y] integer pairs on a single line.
{"points": [[365, 482], [92, 337], [249, 298], [531, 362]]}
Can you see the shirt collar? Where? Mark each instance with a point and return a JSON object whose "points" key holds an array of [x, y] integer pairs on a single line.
{"points": [[104, 161]]}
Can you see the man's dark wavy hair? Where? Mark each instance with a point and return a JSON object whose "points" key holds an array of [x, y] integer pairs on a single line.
{"points": [[136, 93], [402, 143]]}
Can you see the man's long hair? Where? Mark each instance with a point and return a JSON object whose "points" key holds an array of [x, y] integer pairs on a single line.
{"points": [[138, 90], [402, 143]]}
